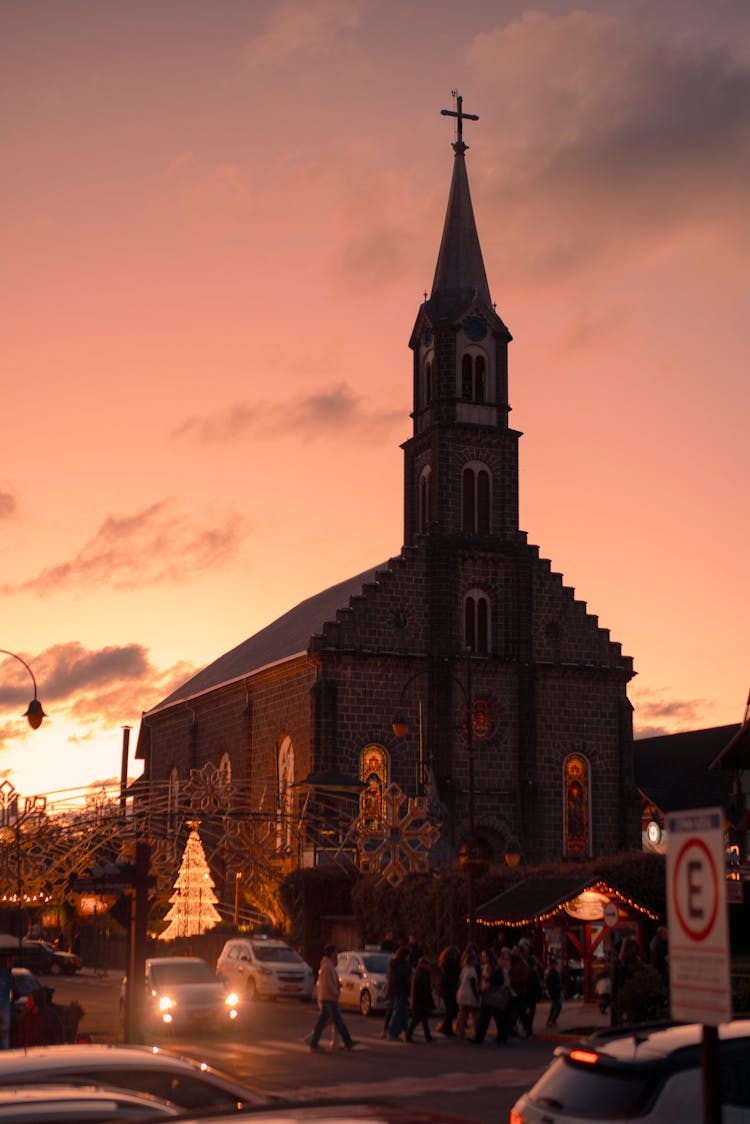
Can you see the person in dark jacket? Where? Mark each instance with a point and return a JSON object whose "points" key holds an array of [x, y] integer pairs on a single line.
{"points": [[420, 998], [397, 989], [553, 984], [449, 968]]}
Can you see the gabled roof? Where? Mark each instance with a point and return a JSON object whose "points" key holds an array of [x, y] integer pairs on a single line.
{"points": [[287, 636], [673, 771], [539, 898]]}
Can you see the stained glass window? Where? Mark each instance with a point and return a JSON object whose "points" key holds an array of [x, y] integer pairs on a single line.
{"points": [[577, 803], [373, 771]]}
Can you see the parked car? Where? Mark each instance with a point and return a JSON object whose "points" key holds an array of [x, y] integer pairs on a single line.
{"points": [[339, 1112], [363, 976], [74, 1104], [265, 968], [141, 1069], [40, 957], [24, 984], [182, 991], [648, 1073]]}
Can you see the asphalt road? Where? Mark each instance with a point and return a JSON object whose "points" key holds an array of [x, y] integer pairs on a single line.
{"points": [[268, 1051]]}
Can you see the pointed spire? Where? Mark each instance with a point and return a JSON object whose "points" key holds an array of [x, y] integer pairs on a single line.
{"points": [[459, 273]]}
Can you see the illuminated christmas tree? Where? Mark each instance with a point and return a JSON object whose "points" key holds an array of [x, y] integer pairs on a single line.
{"points": [[192, 910]]}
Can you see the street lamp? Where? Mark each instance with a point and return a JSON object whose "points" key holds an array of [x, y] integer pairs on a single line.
{"points": [[33, 712], [400, 728]]}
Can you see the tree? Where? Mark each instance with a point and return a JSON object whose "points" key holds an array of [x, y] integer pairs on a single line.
{"points": [[192, 911]]}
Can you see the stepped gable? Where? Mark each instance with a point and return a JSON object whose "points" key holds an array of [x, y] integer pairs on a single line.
{"points": [[287, 636], [565, 632], [379, 614]]}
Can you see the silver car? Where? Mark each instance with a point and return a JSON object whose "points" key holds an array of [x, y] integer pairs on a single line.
{"points": [[141, 1069], [363, 977], [183, 992]]}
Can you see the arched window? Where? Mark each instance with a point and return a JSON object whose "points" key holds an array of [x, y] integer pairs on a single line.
{"points": [[473, 377], [475, 499], [173, 801], [225, 779], [576, 806], [477, 622], [373, 771], [285, 793], [427, 384], [425, 500]]}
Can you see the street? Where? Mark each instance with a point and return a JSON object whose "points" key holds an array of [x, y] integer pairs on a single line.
{"points": [[269, 1052]]}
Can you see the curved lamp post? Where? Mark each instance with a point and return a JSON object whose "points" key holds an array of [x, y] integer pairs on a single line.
{"points": [[34, 712], [400, 728]]}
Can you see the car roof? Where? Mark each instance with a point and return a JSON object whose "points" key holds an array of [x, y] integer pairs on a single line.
{"points": [[175, 960], [44, 1098], [14, 1062], [643, 1043]]}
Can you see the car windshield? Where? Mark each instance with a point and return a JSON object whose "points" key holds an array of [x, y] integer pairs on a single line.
{"points": [[376, 963], [185, 972], [278, 955]]}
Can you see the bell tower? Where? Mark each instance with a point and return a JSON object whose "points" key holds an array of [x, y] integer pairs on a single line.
{"points": [[461, 462]]}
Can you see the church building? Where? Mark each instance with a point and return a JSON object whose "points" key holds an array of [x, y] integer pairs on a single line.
{"points": [[464, 670]]}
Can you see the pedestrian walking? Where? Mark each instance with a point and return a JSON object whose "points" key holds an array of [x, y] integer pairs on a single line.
{"points": [[420, 1000], [553, 984], [467, 995], [494, 1000], [6, 996], [533, 987], [449, 970], [518, 975], [398, 989], [328, 998]]}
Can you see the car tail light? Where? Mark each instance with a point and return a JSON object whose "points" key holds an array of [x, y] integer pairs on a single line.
{"points": [[588, 1057], [515, 1117]]}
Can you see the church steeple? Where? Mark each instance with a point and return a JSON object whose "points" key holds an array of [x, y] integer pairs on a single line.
{"points": [[461, 462], [459, 274]]}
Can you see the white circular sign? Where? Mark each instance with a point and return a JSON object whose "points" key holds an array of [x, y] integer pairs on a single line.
{"points": [[611, 914]]}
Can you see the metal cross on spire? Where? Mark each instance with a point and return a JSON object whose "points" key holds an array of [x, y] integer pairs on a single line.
{"points": [[460, 116]]}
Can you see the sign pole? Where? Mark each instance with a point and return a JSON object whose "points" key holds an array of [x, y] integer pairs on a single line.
{"points": [[699, 982]]}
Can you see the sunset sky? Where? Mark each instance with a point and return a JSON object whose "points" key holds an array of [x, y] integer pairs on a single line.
{"points": [[218, 221]]}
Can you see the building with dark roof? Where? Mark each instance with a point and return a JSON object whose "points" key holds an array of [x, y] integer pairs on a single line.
{"points": [[517, 727]]}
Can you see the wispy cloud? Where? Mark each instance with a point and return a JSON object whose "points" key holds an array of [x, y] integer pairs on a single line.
{"points": [[656, 713], [8, 504], [611, 128], [309, 26], [149, 547], [90, 687], [308, 418]]}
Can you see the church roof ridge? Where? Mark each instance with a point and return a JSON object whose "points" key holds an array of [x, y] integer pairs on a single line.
{"points": [[285, 637]]}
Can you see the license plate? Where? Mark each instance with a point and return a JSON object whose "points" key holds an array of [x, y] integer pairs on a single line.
{"points": [[289, 987]]}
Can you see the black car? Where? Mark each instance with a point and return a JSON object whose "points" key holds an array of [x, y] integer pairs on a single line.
{"points": [[44, 959]]}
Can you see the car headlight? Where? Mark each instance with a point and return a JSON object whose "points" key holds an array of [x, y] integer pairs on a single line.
{"points": [[165, 1003], [266, 971], [232, 999]]}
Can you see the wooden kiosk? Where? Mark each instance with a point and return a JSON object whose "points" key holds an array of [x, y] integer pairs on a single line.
{"points": [[578, 921]]}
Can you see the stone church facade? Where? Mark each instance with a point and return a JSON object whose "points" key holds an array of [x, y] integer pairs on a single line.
{"points": [[516, 726]]}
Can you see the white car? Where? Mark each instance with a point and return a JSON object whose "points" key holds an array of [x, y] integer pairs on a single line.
{"points": [[188, 1083], [363, 976], [76, 1104], [259, 967], [645, 1074], [183, 992]]}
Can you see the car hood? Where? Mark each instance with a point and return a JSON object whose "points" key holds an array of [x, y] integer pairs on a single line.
{"points": [[193, 992]]}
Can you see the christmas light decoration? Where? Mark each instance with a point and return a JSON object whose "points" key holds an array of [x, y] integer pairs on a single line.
{"points": [[192, 910]]}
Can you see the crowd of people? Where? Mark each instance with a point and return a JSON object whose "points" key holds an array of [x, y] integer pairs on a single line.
{"points": [[498, 985]]}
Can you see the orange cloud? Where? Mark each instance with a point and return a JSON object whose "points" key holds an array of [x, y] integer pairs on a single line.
{"points": [[152, 546], [309, 26]]}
